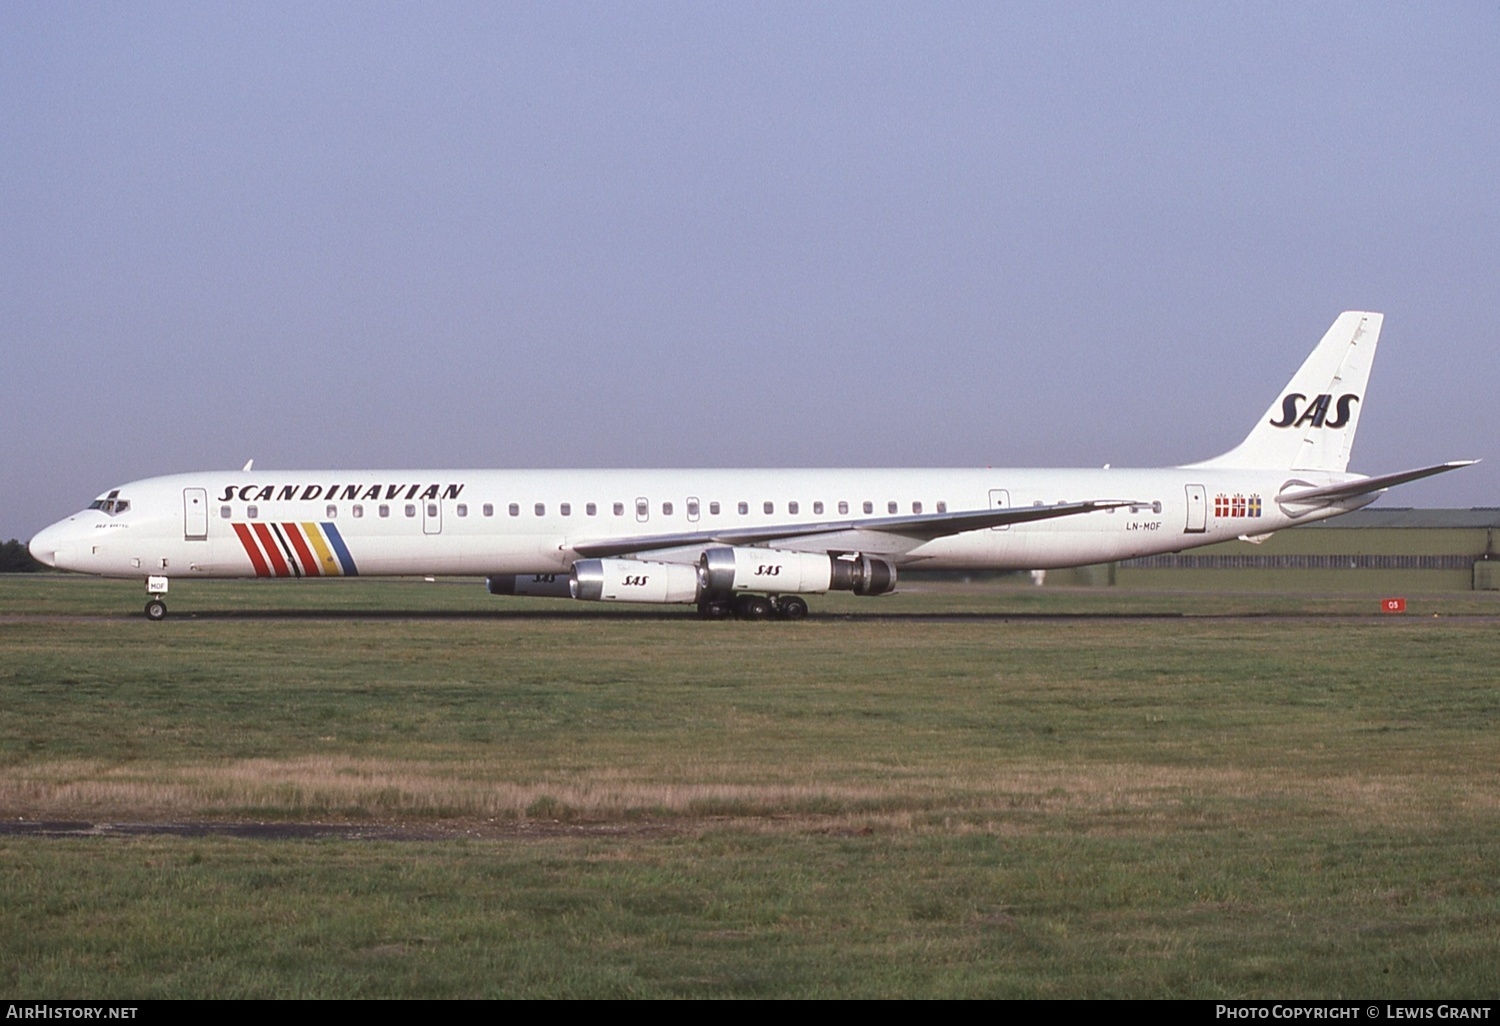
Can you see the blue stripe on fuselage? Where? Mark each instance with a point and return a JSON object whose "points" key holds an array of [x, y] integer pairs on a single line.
{"points": [[337, 541]]}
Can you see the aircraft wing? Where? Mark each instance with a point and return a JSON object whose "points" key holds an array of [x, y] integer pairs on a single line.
{"points": [[1366, 485], [917, 526]]}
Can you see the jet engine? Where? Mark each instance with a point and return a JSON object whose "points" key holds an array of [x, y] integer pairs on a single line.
{"points": [[635, 580], [720, 573], [728, 571], [543, 585], [867, 575]]}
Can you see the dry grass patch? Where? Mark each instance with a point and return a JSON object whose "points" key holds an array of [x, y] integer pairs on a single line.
{"points": [[1110, 796]]}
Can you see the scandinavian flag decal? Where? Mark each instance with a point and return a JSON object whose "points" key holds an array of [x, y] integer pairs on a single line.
{"points": [[1236, 505]]}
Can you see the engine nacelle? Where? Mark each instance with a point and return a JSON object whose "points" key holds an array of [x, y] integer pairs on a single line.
{"points": [[729, 571], [635, 580], [721, 571], [864, 575], [543, 585]]}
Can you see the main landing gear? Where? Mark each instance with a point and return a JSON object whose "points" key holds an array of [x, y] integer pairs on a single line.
{"points": [[754, 607], [156, 609]]}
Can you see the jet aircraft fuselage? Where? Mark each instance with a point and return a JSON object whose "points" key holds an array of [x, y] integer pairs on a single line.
{"points": [[735, 541]]}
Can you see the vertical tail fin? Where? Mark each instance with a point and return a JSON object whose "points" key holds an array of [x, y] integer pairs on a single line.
{"points": [[1311, 424]]}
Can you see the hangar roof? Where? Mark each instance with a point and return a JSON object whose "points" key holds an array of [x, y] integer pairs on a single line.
{"points": [[1407, 516]]}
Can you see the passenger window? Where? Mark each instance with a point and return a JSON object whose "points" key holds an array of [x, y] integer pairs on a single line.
{"points": [[592, 509], [692, 507], [792, 508], [744, 508], [252, 512], [666, 509], [817, 509], [891, 507], [411, 510], [769, 507], [385, 510], [566, 509], [358, 511], [942, 506], [869, 506], [432, 509], [713, 509], [843, 508], [331, 511], [462, 509], [224, 512], [619, 509], [540, 509], [515, 509], [642, 509], [489, 509], [916, 507]]}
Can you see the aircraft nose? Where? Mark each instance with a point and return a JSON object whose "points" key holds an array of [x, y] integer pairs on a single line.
{"points": [[44, 546]]}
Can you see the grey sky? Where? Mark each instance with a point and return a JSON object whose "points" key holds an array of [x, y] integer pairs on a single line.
{"points": [[337, 235]]}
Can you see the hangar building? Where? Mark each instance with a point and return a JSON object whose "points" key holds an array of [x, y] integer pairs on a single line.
{"points": [[1375, 550]]}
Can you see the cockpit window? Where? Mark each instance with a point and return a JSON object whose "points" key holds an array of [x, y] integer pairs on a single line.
{"points": [[111, 503]]}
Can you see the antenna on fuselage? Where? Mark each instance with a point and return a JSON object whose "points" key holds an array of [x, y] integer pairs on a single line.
{"points": [[248, 464]]}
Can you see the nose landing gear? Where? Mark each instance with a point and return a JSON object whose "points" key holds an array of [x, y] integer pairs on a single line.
{"points": [[156, 609]]}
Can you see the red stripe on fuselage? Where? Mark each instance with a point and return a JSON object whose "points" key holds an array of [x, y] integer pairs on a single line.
{"points": [[252, 550], [273, 551], [294, 535]]}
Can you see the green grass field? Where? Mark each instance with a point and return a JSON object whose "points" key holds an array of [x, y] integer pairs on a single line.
{"points": [[961, 790]]}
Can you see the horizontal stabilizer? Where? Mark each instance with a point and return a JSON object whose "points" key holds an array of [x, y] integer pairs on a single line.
{"points": [[1367, 485]]}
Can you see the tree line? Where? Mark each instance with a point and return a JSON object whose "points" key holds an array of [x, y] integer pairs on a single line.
{"points": [[15, 559]]}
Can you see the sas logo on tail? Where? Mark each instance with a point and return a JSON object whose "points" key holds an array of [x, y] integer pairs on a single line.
{"points": [[1316, 412]]}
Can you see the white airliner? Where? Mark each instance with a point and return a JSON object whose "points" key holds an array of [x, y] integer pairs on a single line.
{"points": [[747, 543]]}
